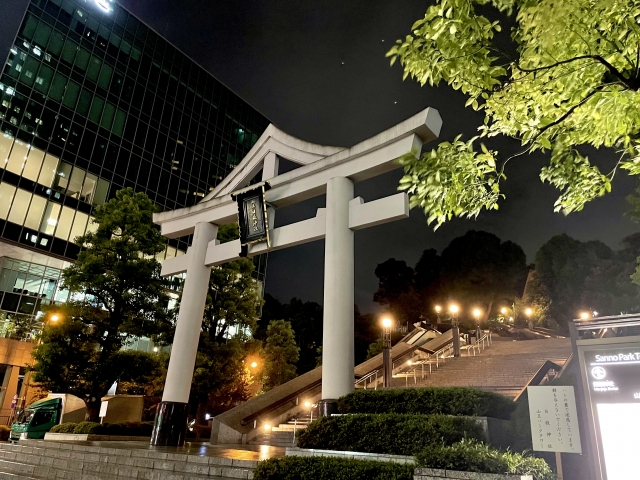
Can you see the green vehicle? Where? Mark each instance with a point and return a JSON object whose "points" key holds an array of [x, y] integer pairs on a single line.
{"points": [[37, 419]]}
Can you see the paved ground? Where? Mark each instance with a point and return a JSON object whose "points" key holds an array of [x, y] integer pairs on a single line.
{"points": [[237, 452]]}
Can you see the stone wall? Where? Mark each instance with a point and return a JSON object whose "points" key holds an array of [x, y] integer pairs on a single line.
{"points": [[437, 474]]}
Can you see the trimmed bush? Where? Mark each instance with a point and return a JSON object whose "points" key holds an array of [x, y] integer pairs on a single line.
{"points": [[388, 433], [128, 429], [89, 427], [471, 456], [446, 401], [67, 427], [326, 468], [5, 431]]}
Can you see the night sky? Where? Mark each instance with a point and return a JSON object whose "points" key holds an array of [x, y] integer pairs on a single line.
{"points": [[317, 70]]}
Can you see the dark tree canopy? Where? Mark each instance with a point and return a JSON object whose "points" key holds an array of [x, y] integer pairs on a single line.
{"points": [[480, 268], [396, 291], [119, 295]]}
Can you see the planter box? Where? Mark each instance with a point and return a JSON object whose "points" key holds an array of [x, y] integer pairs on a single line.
{"points": [[437, 474], [379, 457], [88, 437]]}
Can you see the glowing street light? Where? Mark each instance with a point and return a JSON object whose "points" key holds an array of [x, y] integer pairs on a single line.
{"points": [[254, 364], [455, 329], [55, 318], [503, 311], [585, 315], [386, 352], [476, 313], [438, 310], [528, 312]]}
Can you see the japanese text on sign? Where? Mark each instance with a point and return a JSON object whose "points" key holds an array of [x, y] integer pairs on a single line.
{"points": [[554, 419]]}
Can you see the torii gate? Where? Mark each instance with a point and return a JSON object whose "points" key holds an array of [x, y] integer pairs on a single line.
{"points": [[324, 169]]}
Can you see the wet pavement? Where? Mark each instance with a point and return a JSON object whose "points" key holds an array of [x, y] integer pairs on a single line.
{"points": [[201, 449]]}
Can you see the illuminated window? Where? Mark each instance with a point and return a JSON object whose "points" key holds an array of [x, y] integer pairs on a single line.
{"points": [[33, 164], [19, 207], [18, 157], [79, 225], [48, 172], [64, 223], [36, 210], [50, 219], [6, 197], [5, 147]]}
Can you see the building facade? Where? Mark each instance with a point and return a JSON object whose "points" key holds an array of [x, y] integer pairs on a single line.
{"points": [[92, 100]]}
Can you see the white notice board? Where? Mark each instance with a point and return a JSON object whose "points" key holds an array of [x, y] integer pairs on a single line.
{"points": [[103, 409], [554, 419]]}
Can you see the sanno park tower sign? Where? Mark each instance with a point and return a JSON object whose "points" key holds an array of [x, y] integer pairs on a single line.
{"points": [[608, 349], [324, 170]]}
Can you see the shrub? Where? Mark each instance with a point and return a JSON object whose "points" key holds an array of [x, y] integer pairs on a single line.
{"points": [[388, 433], [471, 456], [89, 427], [5, 431], [67, 427], [447, 401], [326, 468], [130, 429]]}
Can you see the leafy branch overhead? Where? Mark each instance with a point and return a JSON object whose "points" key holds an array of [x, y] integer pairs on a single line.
{"points": [[571, 79]]}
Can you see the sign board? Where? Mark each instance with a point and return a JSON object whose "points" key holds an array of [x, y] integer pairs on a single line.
{"points": [[613, 380], [103, 409], [252, 216], [554, 419]]}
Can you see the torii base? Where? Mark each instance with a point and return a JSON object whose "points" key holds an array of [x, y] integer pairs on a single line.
{"points": [[170, 426]]}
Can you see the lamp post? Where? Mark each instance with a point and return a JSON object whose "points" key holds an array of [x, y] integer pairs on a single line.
{"points": [[585, 315], [386, 352], [528, 313], [476, 315], [438, 310], [455, 329]]}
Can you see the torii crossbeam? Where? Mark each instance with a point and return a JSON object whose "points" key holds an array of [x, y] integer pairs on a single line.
{"points": [[329, 170]]}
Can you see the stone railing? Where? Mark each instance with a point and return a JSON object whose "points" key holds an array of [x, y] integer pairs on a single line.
{"points": [[437, 474]]}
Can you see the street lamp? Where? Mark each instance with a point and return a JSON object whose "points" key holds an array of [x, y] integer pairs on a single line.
{"points": [[309, 407], [528, 313], [386, 351], [455, 329], [476, 315], [584, 315], [438, 310]]}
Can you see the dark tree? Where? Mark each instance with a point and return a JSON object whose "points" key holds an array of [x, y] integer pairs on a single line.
{"points": [[396, 291], [478, 268], [120, 295]]}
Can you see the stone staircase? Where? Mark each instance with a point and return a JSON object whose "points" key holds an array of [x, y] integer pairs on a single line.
{"points": [[37, 459], [505, 367], [283, 434]]}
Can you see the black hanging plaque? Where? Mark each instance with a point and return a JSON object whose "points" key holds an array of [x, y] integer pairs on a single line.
{"points": [[252, 217]]}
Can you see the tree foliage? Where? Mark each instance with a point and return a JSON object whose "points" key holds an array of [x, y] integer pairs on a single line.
{"points": [[479, 268], [306, 321], [281, 354], [567, 76], [117, 294], [585, 276]]}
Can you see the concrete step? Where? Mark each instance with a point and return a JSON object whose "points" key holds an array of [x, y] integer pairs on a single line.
{"points": [[85, 462]]}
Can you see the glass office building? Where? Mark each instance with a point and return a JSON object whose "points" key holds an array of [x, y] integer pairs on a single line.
{"points": [[92, 100]]}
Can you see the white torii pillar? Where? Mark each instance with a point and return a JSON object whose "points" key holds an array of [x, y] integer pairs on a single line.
{"points": [[325, 169], [337, 325]]}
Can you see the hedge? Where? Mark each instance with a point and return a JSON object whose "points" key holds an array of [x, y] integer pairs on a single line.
{"points": [[127, 429], [326, 468], [447, 401], [471, 456], [387, 433]]}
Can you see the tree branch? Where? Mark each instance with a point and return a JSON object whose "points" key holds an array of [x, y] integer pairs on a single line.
{"points": [[614, 71], [566, 115]]}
